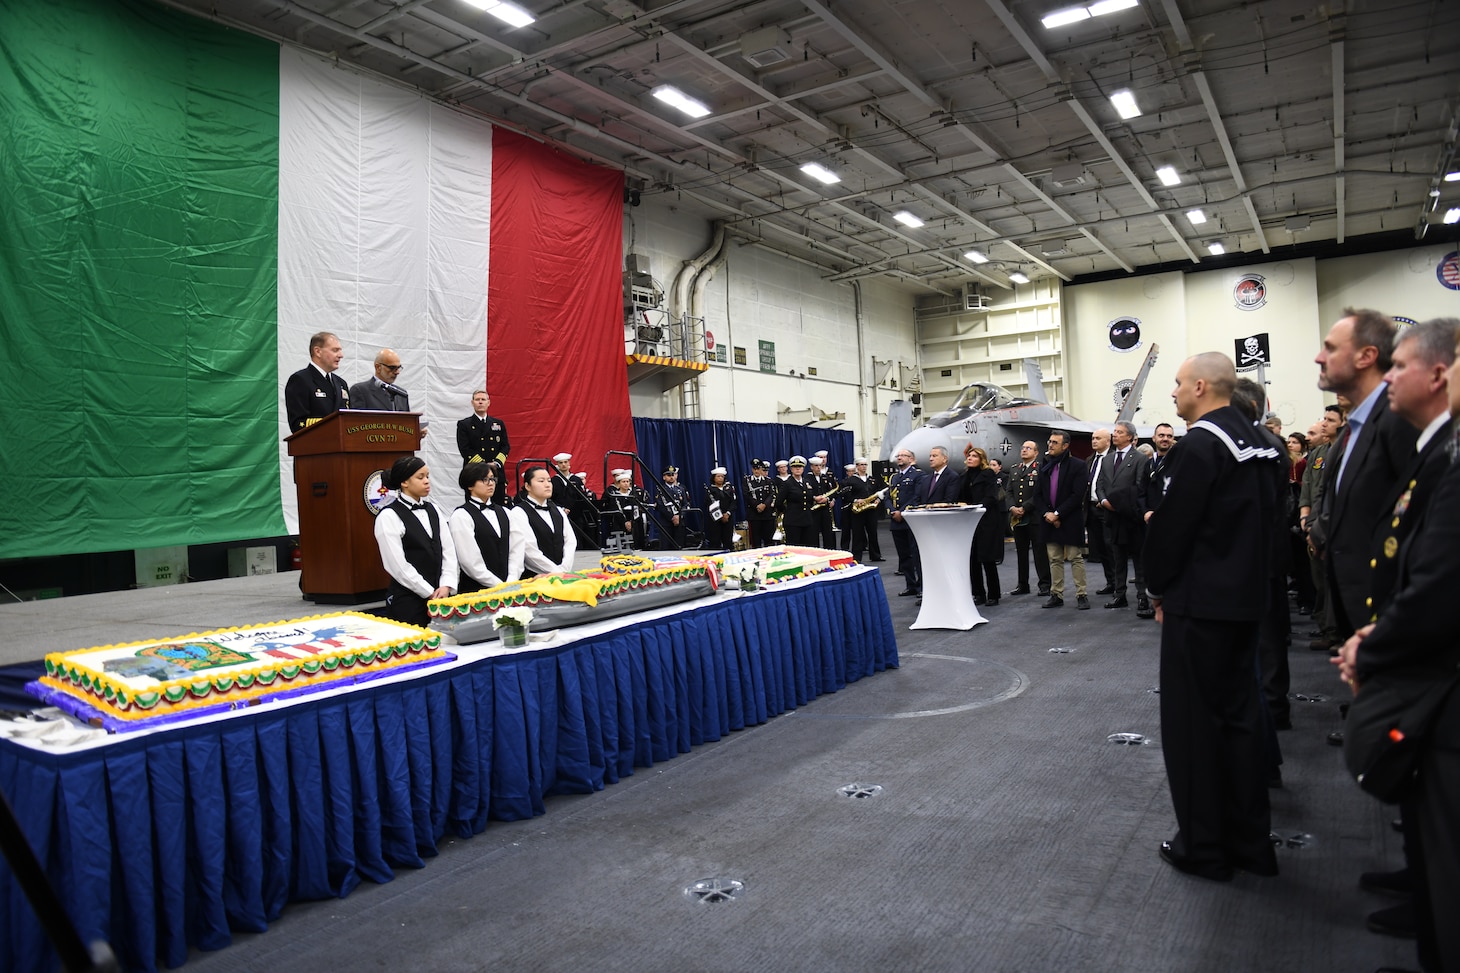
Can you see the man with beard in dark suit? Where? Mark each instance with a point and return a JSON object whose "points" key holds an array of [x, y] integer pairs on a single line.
{"points": [[1059, 502], [1372, 451], [1207, 555], [315, 391]]}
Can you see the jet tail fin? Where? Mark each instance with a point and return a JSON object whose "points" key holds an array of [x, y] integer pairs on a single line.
{"points": [[1034, 375], [1133, 399]]}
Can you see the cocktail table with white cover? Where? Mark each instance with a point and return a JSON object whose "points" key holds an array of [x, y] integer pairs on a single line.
{"points": [[944, 537]]}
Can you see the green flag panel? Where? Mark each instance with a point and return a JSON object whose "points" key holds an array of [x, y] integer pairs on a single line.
{"points": [[138, 263]]}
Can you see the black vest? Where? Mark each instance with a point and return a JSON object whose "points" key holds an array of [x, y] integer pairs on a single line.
{"points": [[549, 537], [493, 545], [422, 551]]}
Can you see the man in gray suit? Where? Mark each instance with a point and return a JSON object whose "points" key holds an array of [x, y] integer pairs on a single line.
{"points": [[1123, 507], [380, 392]]}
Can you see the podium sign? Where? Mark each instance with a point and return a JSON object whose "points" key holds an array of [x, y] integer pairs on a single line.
{"points": [[339, 464]]}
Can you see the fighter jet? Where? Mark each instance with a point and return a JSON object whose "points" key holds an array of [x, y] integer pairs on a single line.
{"points": [[992, 417]]}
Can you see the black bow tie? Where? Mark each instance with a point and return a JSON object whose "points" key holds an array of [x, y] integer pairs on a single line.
{"points": [[415, 506]]}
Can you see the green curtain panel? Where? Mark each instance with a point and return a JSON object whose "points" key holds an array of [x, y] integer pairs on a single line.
{"points": [[138, 266]]}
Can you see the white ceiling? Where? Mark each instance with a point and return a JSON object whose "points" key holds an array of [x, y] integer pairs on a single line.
{"points": [[960, 113]]}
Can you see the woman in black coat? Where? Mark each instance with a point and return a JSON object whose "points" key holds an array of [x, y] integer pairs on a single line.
{"points": [[981, 486]]}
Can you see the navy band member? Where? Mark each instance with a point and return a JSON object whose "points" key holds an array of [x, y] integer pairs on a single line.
{"points": [[672, 503], [720, 509], [760, 505]]}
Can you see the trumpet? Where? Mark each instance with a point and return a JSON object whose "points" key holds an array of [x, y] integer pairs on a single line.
{"points": [[867, 503]]}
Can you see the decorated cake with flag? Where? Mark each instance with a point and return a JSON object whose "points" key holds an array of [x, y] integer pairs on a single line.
{"points": [[139, 684]]}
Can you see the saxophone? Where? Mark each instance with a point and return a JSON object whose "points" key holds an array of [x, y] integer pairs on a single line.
{"points": [[867, 503]]}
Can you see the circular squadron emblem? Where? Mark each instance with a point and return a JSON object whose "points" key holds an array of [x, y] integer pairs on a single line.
{"points": [[1250, 292], [377, 495], [1125, 334]]}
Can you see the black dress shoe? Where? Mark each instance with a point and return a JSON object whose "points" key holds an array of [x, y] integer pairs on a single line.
{"points": [[1117, 603], [906, 594], [1019, 591], [1320, 645], [1397, 884], [1054, 602], [1144, 609], [1335, 739], [1107, 590], [1397, 921], [1082, 603], [1044, 591], [992, 602], [979, 599], [1216, 871], [878, 560]]}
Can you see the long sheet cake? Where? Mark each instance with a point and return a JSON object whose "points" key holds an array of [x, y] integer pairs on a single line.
{"points": [[143, 684]]}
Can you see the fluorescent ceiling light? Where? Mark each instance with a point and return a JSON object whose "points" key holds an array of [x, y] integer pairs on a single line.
{"points": [[1071, 15], [976, 257], [508, 13], [1125, 103], [1104, 7], [1453, 176], [1168, 176], [818, 171], [675, 98], [1452, 215], [1215, 248], [1018, 278], [907, 219], [1195, 217]]}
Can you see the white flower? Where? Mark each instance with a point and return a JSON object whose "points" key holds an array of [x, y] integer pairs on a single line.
{"points": [[517, 617]]}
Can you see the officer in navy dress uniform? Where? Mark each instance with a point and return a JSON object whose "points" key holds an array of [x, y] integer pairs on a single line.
{"points": [[1025, 523], [672, 504], [760, 504], [315, 391], [720, 509], [417, 552], [481, 438], [902, 491], [1207, 556], [488, 551], [797, 498]]}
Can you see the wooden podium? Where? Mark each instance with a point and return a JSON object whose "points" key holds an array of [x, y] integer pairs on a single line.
{"points": [[340, 464]]}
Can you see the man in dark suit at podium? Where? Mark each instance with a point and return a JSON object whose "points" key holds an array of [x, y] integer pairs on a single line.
{"points": [[315, 391], [380, 392]]}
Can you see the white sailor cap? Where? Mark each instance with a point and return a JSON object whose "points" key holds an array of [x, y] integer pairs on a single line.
{"points": [[822, 453], [849, 467], [580, 476], [622, 475], [719, 471], [562, 457], [817, 461], [862, 459], [781, 462]]}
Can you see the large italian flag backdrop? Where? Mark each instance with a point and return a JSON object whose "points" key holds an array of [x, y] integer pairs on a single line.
{"points": [[184, 205]]}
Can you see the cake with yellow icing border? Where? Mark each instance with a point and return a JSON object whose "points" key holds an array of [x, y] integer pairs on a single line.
{"points": [[773, 565], [140, 684], [622, 584]]}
